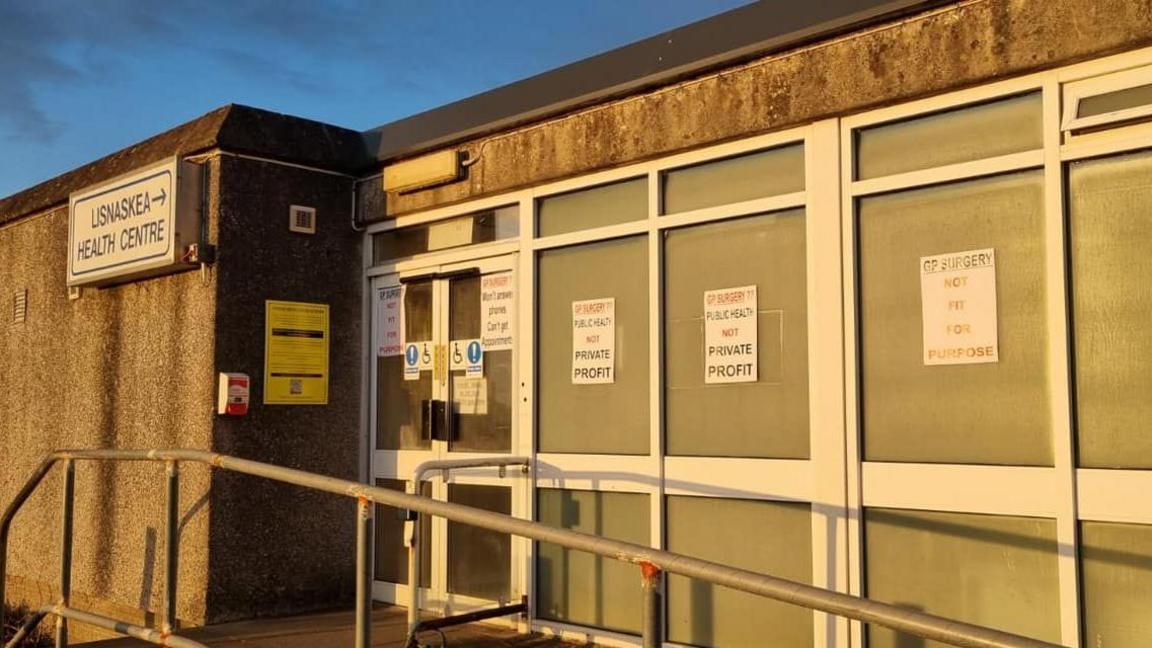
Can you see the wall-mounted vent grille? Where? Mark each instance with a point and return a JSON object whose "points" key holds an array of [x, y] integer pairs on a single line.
{"points": [[302, 219], [20, 306]]}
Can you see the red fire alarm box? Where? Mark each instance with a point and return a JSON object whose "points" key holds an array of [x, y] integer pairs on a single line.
{"points": [[232, 396]]}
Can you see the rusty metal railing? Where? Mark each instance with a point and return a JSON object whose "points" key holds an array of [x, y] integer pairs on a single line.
{"points": [[653, 563]]}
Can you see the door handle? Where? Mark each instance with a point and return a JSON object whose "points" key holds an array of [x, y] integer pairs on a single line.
{"points": [[435, 420]]}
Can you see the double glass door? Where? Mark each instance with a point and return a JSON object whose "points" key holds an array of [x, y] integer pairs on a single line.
{"points": [[443, 386]]}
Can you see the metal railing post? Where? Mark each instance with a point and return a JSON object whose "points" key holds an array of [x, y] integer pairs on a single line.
{"points": [[66, 550], [412, 528], [172, 547], [364, 572], [653, 629]]}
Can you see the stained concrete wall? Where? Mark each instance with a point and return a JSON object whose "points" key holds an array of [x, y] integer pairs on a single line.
{"points": [[946, 49], [276, 548], [124, 367]]}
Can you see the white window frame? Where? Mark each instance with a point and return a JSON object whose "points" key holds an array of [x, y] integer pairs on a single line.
{"points": [[399, 464], [818, 480], [1105, 495], [1061, 492], [1076, 92]]}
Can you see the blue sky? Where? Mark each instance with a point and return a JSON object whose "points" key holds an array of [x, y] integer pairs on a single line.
{"points": [[82, 79]]}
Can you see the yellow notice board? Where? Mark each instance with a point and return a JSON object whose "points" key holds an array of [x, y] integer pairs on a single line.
{"points": [[295, 353]]}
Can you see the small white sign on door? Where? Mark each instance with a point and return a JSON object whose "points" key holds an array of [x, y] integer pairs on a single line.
{"points": [[417, 357], [594, 341], [730, 335], [467, 355], [388, 342], [958, 301], [470, 395], [497, 299]]}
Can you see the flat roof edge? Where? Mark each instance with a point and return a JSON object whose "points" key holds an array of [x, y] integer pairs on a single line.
{"points": [[403, 138], [233, 127]]}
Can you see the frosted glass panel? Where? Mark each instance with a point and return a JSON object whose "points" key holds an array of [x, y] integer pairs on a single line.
{"points": [[972, 133], [1116, 567], [769, 537], [997, 571], [767, 418], [479, 560], [1110, 204], [603, 418], [994, 413], [620, 202], [582, 588], [746, 177]]}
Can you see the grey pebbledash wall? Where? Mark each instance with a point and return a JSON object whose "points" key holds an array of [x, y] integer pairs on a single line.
{"points": [[134, 366], [278, 548]]}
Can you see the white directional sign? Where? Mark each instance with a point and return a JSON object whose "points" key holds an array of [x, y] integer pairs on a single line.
{"points": [[133, 226]]}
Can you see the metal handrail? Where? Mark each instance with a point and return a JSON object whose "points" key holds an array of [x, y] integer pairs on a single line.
{"points": [[122, 627], [653, 562]]}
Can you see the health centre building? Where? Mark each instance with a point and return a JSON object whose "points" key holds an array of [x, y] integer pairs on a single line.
{"points": [[851, 293]]}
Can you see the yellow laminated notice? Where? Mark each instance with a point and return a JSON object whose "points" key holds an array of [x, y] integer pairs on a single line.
{"points": [[296, 338]]}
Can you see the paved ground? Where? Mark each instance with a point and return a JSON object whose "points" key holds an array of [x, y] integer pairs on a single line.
{"points": [[334, 630]]}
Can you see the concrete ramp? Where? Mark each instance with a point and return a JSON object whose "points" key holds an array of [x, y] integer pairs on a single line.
{"points": [[334, 630]]}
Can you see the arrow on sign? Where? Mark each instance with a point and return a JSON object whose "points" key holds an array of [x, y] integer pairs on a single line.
{"points": [[163, 196]]}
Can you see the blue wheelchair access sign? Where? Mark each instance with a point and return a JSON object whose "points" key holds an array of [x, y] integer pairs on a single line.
{"points": [[417, 357], [469, 356]]}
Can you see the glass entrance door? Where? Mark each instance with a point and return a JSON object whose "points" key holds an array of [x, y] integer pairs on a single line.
{"points": [[443, 389]]}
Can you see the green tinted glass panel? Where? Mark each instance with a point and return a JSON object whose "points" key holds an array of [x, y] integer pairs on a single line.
{"points": [[480, 560], [971, 133], [769, 537], [582, 588], [391, 554], [620, 202], [991, 413], [766, 418], [1110, 205], [745, 177], [1116, 569], [1114, 101], [600, 418], [996, 571]]}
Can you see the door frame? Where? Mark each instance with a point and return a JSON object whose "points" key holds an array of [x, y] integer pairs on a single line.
{"points": [[399, 464]]}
